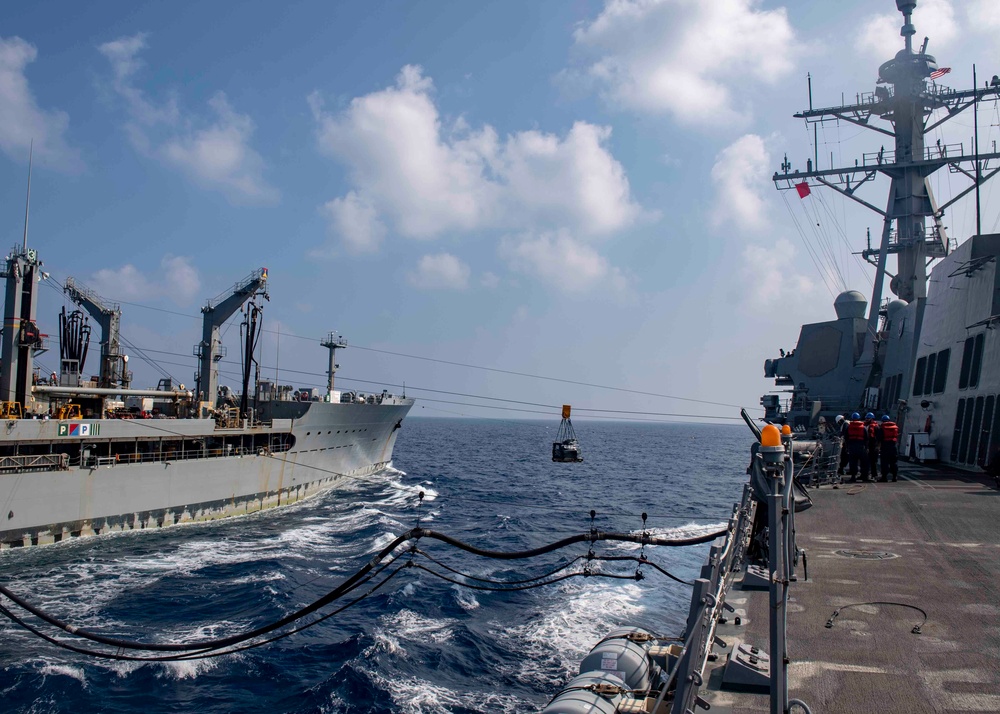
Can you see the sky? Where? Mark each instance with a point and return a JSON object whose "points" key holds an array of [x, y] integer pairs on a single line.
{"points": [[504, 206]]}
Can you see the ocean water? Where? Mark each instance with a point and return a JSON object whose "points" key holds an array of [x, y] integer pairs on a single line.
{"points": [[419, 644]]}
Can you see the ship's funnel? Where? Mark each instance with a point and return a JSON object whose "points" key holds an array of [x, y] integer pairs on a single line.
{"points": [[850, 304]]}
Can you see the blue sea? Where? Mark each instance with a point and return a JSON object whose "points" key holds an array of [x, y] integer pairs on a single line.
{"points": [[418, 645]]}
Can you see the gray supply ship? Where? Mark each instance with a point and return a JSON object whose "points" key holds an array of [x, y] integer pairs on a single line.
{"points": [[930, 356], [87, 456]]}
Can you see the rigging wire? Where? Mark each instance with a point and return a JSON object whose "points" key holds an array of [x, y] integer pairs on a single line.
{"points": [[460, 364], [805, 241], [54, 285], [824, 243], [722, 516], [847, 243], [822, 240], [554, 407]]}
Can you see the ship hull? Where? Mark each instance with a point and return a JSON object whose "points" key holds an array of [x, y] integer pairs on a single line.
{"points": [[329, 443]]}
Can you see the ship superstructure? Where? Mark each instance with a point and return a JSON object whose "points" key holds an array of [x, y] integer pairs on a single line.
{"points": [[82, 456], [928, 356]]}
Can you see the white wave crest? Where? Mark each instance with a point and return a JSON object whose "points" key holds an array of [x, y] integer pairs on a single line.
{"points": [[418, 696], [59, 669], [408, 625], [465, 598], [549, 647]]}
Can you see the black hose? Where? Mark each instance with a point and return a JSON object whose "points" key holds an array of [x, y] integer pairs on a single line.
{"points": [[351, 583]]}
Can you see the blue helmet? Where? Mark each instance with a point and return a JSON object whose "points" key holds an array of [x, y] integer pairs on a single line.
{"points": [[885, 417], [855, 415], [869, 415]]}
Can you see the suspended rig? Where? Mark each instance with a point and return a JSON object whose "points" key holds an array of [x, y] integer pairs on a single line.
{"points": [[566, 448]]}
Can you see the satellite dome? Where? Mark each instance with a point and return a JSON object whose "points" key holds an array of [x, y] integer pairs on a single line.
{"points": [[894, 308], [850, 304]]}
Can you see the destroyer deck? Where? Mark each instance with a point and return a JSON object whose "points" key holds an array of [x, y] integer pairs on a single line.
{"points": [[942, 527]]}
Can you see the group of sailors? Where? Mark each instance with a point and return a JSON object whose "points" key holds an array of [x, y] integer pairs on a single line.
{"points": [[869, 444]]}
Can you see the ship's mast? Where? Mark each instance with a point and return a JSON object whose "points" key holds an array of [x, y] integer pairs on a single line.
{"points": [[906, 96], [21, 338], [333, 343]]}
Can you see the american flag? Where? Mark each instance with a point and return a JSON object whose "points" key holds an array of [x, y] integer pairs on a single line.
{"points": [[939, 73]]}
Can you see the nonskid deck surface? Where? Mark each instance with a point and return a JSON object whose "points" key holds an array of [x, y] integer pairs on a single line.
{"points": [[942, 527]]}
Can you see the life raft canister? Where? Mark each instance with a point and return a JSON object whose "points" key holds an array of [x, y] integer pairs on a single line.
{"points": [[856, 431], [890, 432]]}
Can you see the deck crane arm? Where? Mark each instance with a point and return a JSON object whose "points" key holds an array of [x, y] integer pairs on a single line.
{"points": [[216, 312], [108, 317]]}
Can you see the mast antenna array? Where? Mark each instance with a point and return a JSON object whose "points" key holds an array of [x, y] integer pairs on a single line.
{"points": [[908, 97]]}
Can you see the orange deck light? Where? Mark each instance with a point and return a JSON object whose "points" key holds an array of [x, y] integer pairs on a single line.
{"points": [[770, 436], [786, 430]]}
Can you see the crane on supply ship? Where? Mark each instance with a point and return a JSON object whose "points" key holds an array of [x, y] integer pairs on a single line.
{"points": [[114, 364], [210, 350]]}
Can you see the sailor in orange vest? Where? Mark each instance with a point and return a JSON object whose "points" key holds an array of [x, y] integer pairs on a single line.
{"points": [[857, 449], [888, 436]]}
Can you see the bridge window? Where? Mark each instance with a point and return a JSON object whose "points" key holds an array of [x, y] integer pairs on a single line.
{"points": [[918, 379], [977, 360], [929, 377], [941, 373]]}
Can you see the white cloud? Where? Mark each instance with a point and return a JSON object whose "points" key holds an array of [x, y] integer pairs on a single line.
{"points": [[220, 155], [213, 150], [879, 35], [22, 121], [489, 280], [770, 276], [562, 261], [442, 271], [429, 181], [355, 221], [123, 54], [571, 180], [984, 14], [181, 282], [426, 177], [177, 281], [688, 58], [740, 175]]}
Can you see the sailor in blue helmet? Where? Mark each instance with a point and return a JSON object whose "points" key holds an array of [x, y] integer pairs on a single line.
{"points": [[871, 446], [888, 438], [857, 451]]}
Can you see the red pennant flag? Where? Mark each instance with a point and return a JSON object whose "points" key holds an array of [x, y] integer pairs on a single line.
{"points": [[803, 189]]}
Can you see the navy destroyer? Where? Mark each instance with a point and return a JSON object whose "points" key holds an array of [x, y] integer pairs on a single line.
{"points": [[895, 612], [929, 357], [84, 456]]}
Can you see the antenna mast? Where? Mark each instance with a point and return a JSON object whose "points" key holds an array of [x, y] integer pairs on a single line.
{"points": [[906, 97], [333, 343], [979, 175], [27, 201]]}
